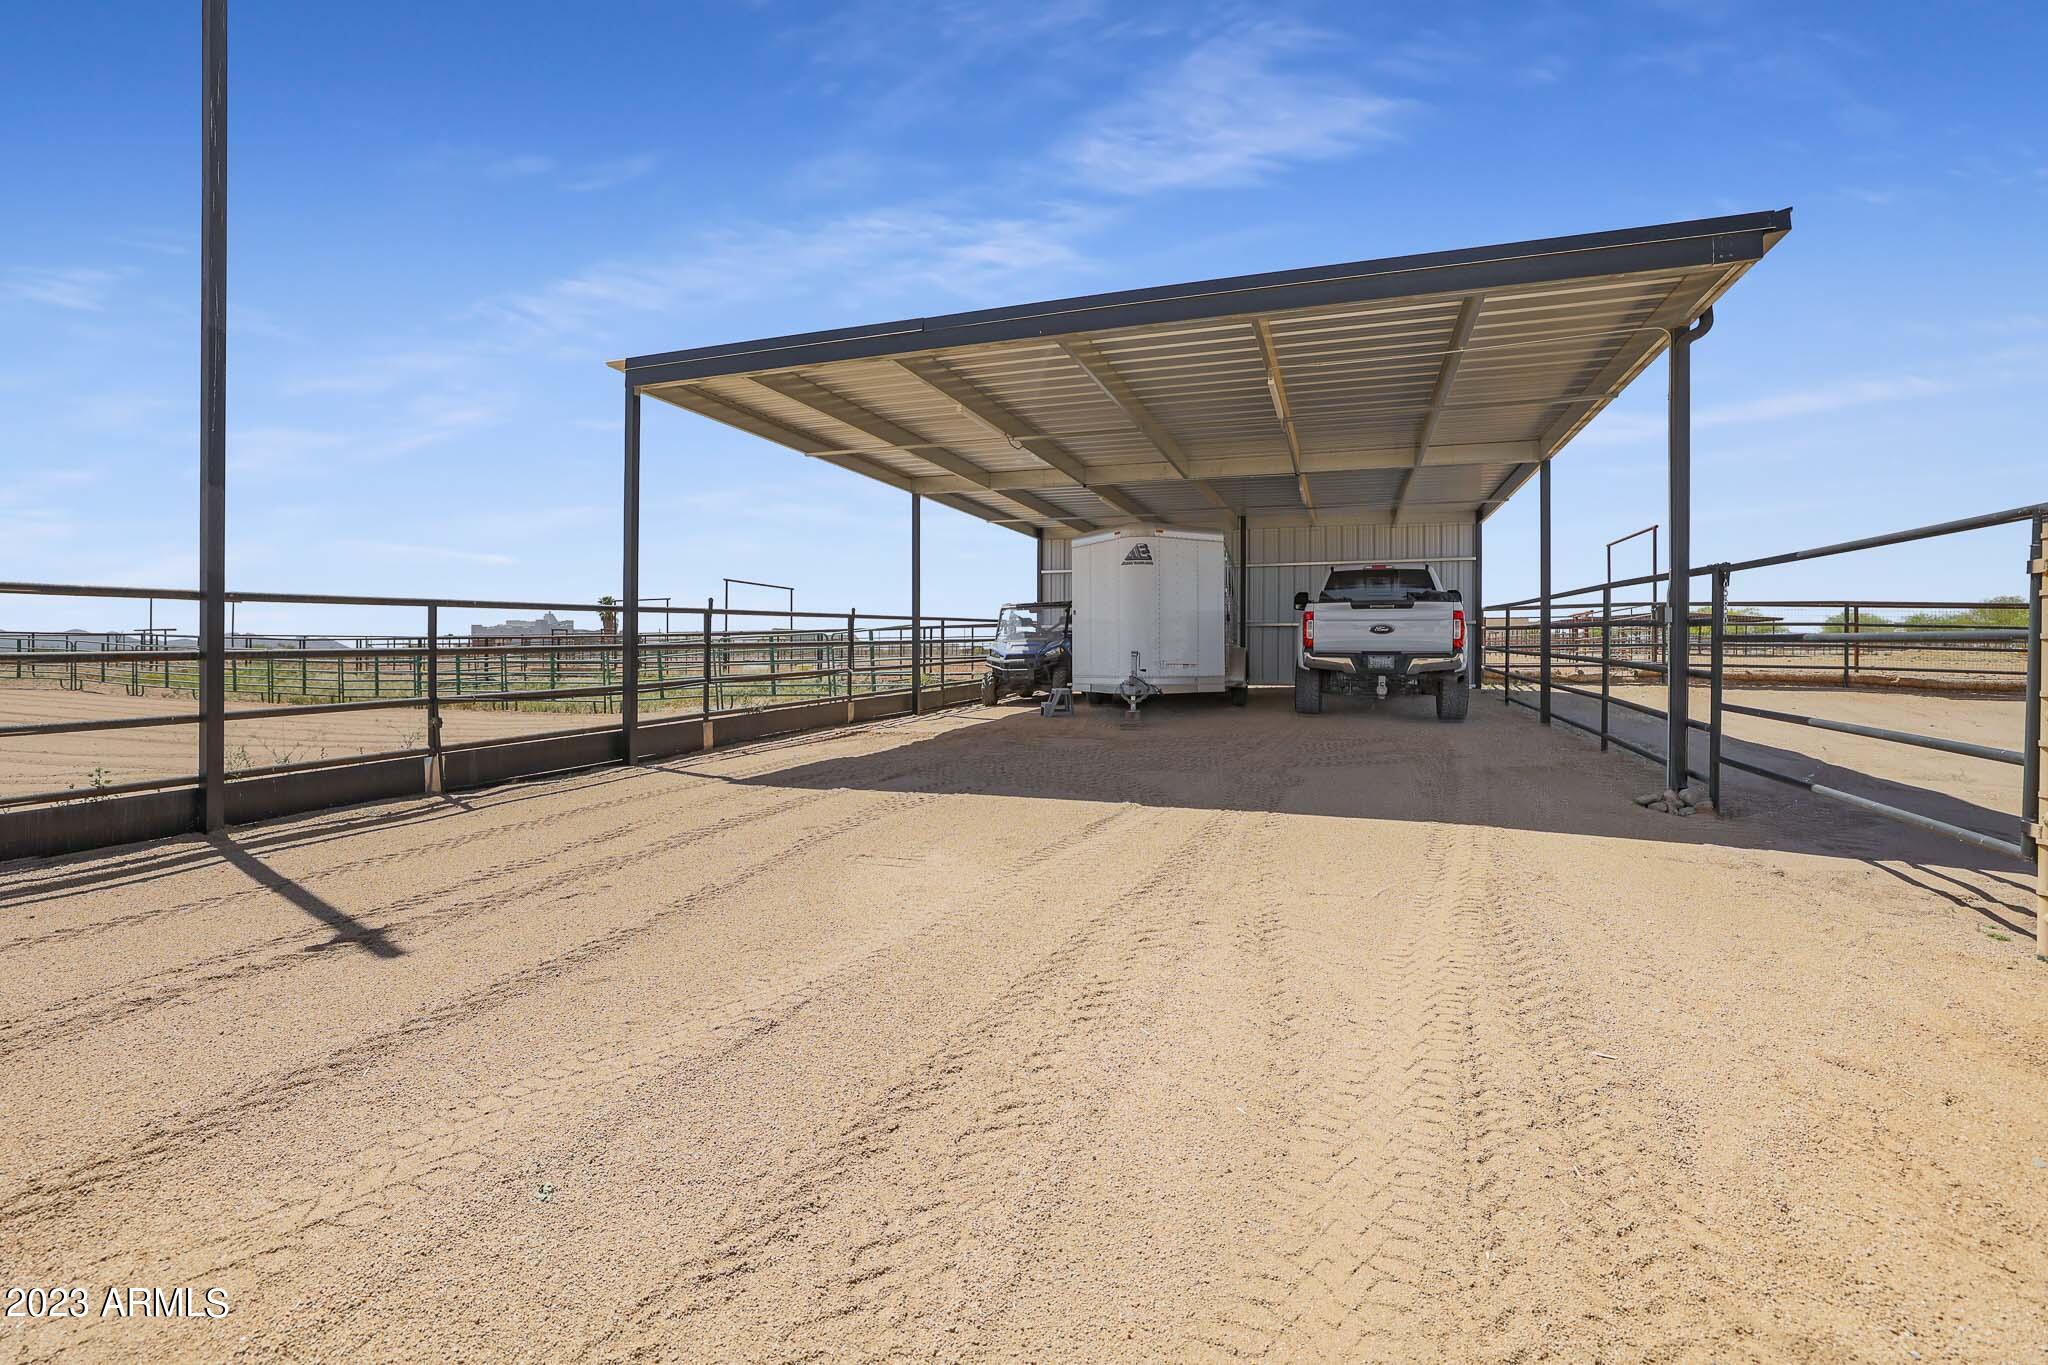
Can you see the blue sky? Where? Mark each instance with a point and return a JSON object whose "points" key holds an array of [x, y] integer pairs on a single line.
{"points": [[445, 217]]}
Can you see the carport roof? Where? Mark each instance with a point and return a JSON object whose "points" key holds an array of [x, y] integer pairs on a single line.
{"points": [[1413, 389]]}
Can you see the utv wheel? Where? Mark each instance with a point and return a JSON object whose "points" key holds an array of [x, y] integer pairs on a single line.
{"points": [[1308, 691], [989, 695], [1453, 699], [1239, 695], [1061, 677]]}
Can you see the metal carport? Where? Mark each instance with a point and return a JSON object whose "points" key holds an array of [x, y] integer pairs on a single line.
{"points": [[1375, 409]]}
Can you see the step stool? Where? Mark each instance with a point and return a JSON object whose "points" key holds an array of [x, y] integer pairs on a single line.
{"points": [[1058, 702]]}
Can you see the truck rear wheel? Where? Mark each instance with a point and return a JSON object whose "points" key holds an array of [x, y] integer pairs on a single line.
{"points": [[1308, 691], [1453, 699]]}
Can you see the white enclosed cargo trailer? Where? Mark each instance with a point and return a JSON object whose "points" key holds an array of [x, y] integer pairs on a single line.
{"points": [[1155, 611]]}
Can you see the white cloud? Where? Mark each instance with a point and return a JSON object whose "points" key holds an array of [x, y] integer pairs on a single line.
{"points": [[274, 448], [78, 288], [1855, 393], [1625, 428], [541, 169], [914, 251], [1229, 114], [520, 167]]}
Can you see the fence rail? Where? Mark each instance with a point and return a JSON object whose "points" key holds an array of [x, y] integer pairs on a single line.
{"points": [[703, 663], [1621, 637]]}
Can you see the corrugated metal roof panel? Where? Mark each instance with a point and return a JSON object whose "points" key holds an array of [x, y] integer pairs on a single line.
{"points": [[1500, 354]]}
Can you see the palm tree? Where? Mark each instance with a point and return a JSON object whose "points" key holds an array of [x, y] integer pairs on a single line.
{"points": [[608, 618]]}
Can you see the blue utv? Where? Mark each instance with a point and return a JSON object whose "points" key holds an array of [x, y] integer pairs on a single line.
{"points": [[1033, 651]]}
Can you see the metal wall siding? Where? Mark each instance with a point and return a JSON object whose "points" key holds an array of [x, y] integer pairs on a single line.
{"points": [[1056, 584], [1314, 548]]}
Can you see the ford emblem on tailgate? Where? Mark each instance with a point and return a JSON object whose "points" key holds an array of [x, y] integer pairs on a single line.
{"points": [[1383, 630]]}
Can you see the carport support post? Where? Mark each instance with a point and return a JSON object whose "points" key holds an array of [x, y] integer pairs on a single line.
{"points": [[1244, 593], [1475, 615], [213, 415], [916, 604], [1678, 602], [629, 701], [434, 782], [705, 682], [1543, 580]]}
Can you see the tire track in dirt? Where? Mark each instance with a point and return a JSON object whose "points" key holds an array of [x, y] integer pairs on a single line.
{"points": [[1593, 1239], [477, 829], [657, 805], [39, 1195], [907, 1275], [570, 867], [284, 952], [1365, 1032], [1065, 1002], [412, 1163], [891, 1266]]}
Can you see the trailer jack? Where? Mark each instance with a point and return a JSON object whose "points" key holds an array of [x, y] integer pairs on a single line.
{"points": [[1133, 690]]}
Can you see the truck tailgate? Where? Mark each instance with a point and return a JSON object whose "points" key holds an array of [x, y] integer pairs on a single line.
{"points": [[1424, 628]]}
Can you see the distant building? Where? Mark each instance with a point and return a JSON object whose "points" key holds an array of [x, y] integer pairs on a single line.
{"points": [[540, 627]]}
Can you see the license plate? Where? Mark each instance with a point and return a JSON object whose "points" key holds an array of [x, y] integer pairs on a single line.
{"points": [[1379, 661]]}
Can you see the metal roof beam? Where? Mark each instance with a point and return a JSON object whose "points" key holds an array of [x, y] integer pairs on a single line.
{"points": [[1461, 336], [768, 429], [1096, 365], [949, 384], [848, 413], [1676, 310], [1365, 514], [1248, 466], [1276, 387]]}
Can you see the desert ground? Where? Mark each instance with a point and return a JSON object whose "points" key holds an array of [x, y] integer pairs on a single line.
{"points": [[982, 1035], [48, 763]]}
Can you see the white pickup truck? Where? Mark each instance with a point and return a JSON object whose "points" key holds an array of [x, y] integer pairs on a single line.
{"points": [[1376, 629]]}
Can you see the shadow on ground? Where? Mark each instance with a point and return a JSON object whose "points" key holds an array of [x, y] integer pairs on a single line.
{"points": [[1395, 761]]}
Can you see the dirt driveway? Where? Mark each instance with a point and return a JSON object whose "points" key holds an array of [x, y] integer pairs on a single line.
{"points": [[980, 1035]]}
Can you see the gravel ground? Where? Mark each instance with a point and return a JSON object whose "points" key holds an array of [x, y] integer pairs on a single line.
{"points": [[980, 1035]]}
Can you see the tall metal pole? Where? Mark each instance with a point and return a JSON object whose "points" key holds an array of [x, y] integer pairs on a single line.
{"points": [[916, 603], [1038, 564], [629, 700], [1543, 576], [1475, 615], [213, 414], [1678, 602]]}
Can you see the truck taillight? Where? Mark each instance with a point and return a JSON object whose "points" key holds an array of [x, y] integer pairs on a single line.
{"points": [[1457, 629], [1308, 628]]}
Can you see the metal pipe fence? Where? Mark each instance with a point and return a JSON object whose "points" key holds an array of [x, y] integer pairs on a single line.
{"points": [[701, 662], [1741, 641]]}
